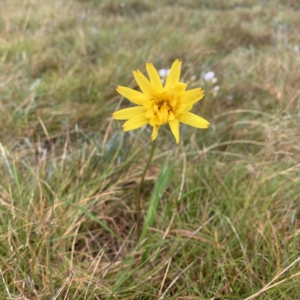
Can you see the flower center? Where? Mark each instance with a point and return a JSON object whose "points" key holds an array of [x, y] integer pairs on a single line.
{"points": [[160, 109]]}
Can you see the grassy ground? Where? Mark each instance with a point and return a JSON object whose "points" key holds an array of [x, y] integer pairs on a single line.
{"points": [[227, 225]]}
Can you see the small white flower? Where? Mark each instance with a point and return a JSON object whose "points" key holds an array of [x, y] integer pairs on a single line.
{"points": [[214, 80], [209, 76], [163, 73], [215, 90]]}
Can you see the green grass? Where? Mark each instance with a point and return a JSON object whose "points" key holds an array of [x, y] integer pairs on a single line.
{"points": [[223, 206]]}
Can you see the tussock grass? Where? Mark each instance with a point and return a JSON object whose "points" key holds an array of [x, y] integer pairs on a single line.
{"points": [[226, 225]]}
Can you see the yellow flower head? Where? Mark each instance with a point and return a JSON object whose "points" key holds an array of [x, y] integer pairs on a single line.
{"points": [[157, 105]]}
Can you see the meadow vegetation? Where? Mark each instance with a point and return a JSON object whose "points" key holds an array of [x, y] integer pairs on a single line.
{"points": [[227, 223]]}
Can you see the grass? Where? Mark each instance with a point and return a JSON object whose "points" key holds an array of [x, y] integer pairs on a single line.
{"points": [[227, 222]]}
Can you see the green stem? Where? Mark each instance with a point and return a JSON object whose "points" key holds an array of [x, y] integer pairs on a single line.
{"points": [[138, 199]]}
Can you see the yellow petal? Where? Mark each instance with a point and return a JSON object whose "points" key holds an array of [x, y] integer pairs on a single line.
{"points": [[176, 91], [171, 116], [180, 87], [174, 126], [174, 75], [144, 84], [149, 113], [132, 95], [135, 122], [149, 104], [154, 121], [193, 120], [154, 133], [192, 96], [182, 108], [154, 76], [128, 113]]}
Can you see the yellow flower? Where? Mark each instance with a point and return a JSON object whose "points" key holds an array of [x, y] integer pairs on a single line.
{"points": [[157, 105]]}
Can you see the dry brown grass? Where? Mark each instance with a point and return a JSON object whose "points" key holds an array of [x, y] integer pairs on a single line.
{"points": [[227, 225]]}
